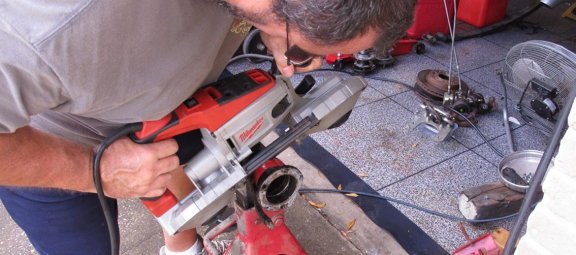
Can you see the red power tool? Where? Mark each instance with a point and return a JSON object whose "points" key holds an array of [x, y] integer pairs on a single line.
{"points": [[230, 117]]}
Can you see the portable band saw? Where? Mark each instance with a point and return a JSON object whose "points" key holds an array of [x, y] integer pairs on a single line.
{"points": [[232, 116]]}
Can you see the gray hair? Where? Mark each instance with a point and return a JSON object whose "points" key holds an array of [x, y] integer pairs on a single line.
{"points": [[329, 22]]}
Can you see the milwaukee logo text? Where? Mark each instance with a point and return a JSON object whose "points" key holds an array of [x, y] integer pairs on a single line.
{"points": [[250, 132]]}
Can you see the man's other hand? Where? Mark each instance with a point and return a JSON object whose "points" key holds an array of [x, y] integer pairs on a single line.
{"points": [[131, 170]]}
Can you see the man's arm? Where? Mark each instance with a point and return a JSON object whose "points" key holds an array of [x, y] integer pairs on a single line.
{"points": [[29, 157]]}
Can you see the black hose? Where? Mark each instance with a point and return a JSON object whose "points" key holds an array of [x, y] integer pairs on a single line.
{"points": [[112, 227], [232, 60], [477, 130], [540, 172], [448, 216]]}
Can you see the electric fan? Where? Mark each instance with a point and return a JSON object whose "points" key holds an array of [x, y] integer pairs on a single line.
{"points": [[538, 77]]}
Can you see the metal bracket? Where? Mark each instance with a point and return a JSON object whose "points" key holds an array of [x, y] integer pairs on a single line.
{"points": [[438, 129]]}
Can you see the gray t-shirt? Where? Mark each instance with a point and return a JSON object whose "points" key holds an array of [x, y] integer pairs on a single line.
{"points": [[79, 69]]}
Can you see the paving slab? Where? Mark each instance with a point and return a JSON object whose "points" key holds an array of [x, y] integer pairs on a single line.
{"points": [[405, 70], [366, 237], [524, 138], [550, 19], [437, 189], [472, 53], [513, 35], [376, 141]]}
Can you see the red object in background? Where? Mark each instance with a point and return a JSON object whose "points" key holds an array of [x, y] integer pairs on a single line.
{"points": [[481, 13], [332, 58], [430, 17], [484, 245], [405, 46]]}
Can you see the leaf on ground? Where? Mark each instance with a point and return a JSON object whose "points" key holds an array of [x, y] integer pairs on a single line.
{"points": [[362, 175], [339, 186], [466, 52], [351, 224], [317, 205], [303, 196], [320, 174], [399, 87], [345, 233], [496, 68], [414, 145], [352, 195]]}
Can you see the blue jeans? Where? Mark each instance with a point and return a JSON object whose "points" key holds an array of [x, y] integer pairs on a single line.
{"points": [[60, 222]]}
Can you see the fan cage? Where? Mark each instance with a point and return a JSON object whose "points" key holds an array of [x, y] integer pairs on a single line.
{"points": [[546, 61]]}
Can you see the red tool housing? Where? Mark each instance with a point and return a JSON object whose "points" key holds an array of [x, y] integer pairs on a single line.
{"points": [[481, 13]]}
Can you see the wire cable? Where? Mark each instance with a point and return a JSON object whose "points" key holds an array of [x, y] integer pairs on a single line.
{"points": [[426, 210], [112, 227], [269, 58], [477, 130]]}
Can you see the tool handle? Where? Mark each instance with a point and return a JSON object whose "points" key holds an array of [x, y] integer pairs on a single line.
{"points": [[160, 205]]}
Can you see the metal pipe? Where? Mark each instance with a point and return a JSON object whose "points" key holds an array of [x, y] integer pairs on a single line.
{"points": [[454, 49], [451, 49], [540, 173], [453, 54], [505, 116]]}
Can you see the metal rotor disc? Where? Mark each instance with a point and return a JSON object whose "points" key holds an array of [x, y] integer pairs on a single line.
{"points": [[431, 85]]}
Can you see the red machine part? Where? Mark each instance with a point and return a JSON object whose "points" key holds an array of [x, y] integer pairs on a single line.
{"points": [[269, 164], [407, 45], [402, 46], [481, 13], [261, 240], [484, 245], [332, 58], [430, 17], [253, 236], [206, 108], [161, 205], [210, 107]]}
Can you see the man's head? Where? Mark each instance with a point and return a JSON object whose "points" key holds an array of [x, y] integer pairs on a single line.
{"points": [[328, 26]]}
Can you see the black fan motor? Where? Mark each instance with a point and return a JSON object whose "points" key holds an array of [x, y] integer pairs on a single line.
{"points": [[545, 106]]}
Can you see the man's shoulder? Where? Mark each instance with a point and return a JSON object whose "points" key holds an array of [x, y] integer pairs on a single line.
{"points": [[36, 21]]}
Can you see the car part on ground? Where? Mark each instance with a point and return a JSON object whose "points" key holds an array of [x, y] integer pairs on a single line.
{"points": [[440, 91]]}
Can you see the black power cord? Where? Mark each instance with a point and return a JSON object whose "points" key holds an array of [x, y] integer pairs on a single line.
{"points": [[112, 227], [477, 130], [448, 216]]}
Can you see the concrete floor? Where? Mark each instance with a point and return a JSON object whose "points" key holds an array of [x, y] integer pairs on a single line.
{"points": [[377, 141]]}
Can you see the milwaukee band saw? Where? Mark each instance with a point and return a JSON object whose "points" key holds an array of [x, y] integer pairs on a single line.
{"points": [[233, 115]]}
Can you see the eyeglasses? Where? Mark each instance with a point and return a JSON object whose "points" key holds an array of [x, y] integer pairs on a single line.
{"points": [[294, 55]]}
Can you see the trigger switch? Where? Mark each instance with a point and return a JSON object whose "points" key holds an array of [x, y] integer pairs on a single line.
{"points": [[305, 85], [191, 102]]}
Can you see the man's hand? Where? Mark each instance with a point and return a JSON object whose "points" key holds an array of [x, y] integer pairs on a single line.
{"points": [[277, 46], [131, 170]]}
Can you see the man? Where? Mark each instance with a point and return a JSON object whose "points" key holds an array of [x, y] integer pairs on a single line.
{"points": [[73, 71]]}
